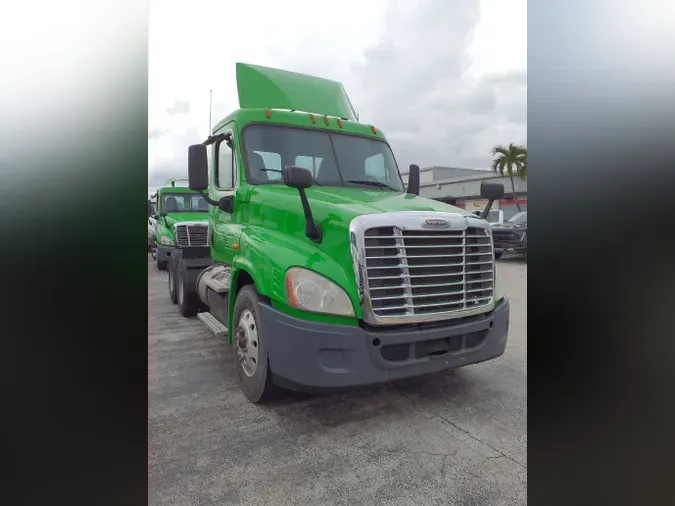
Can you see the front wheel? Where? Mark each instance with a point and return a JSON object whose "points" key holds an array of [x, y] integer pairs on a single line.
{"points": [[250, 348], [161, 265], [173, 294]]}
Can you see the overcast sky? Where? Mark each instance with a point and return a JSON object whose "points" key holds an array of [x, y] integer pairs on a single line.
{"points": [[445, 80]]}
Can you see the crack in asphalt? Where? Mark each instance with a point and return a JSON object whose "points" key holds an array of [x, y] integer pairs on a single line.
{"points": [[501, 453]]}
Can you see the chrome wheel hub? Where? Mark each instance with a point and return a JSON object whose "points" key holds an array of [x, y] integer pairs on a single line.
{"points": [[246, 343]]}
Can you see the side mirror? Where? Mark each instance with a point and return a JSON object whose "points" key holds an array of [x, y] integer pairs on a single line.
{"points": [[149, 209], [297, 177], [163, 214], [198, 168], [491, 191], [414, 180]]}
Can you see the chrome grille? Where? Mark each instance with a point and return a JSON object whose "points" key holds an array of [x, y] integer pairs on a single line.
{"points": [[411, 274], [192, 234]]}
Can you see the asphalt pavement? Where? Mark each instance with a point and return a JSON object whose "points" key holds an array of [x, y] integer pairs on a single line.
{"points": [[454, 438]]}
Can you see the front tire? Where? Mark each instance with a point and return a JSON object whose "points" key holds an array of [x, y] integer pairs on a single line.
{"points": [[161, 265], [173, 294], [249, 347]]}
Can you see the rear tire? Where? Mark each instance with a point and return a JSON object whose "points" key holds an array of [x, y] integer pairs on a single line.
{"points": [[188, 302], [256, 382]]}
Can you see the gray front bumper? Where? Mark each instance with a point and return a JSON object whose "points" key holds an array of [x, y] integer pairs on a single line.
{"points": [[309, 356], [164, 252]]}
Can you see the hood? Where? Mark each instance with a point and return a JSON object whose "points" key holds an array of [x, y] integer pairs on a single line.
{"points": [[334, 208], [274, 214], [173, 218]]}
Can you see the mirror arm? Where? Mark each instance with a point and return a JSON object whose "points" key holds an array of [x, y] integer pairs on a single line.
{"points": [[215, 138], [208, 199], [312, 230], [487, 208]]}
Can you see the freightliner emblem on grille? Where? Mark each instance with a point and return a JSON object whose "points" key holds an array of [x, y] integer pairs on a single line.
{"points": [[435, 223]]}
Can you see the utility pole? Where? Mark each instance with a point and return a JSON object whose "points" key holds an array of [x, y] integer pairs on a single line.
{"points": [[210, 108]]}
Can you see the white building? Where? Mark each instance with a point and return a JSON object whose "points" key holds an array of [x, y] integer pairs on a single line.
{"points": [[461, 188]]}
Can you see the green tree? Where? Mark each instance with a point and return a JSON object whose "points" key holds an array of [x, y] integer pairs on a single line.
{"points": [[510, 161]]}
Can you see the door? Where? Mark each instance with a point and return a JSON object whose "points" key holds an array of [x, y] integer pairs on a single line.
{"points": [[224, 230]]}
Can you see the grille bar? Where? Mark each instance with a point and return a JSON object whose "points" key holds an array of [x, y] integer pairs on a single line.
{"points": [[430, 285], [459, 236], [438, 304], [400, 266], [413, 246], [421, 276], [437, 294], [420, 256]]}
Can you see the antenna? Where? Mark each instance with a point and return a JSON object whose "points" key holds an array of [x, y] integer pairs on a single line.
{"points": [[210, 108]]}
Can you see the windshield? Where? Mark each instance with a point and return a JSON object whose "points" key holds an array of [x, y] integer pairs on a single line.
{"points": [[183, 203], [519, 219], [333, 159]]}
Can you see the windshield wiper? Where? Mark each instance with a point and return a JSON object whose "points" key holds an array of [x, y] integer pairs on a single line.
{"points": [[370, 182], [281, 172]]}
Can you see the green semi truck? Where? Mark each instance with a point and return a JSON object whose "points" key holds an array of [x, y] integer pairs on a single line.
{"points": [[180, 218], [329, 273]]}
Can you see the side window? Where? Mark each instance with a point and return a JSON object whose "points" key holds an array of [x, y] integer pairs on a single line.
{"points": [[375, 169], [224, 168]]}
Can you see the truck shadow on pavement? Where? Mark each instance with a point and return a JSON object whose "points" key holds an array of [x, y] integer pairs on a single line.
{"points": [[425, 396]]}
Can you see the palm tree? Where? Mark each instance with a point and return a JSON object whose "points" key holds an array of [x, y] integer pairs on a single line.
{"points": [[509, 160]]}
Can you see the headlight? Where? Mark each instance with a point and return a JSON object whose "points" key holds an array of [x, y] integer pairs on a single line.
{"points": [[165, 239], [309, 291]]}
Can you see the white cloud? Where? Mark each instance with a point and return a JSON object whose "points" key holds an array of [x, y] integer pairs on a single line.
{"points": [[436, 75]]}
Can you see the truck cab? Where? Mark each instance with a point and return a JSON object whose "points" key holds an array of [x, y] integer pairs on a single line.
{"points": [[179, 215], [321, 270]]}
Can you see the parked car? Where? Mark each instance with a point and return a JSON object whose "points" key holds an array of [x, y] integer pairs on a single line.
{"points": [[511, 236], [494, 217]]}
